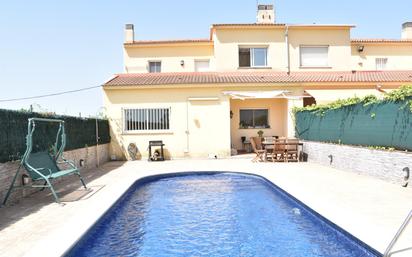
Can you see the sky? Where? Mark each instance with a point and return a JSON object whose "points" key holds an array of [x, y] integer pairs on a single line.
{"points": [[53, 46]]}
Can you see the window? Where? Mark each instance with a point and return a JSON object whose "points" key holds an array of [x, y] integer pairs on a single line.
{"points": [[146, 119], [314, 56], [381, 63], [201, 65], [254, 118], [155, 66], [253, 57]]}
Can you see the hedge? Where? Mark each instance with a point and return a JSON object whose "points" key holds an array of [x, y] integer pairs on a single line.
{"points": [[79, 133]]}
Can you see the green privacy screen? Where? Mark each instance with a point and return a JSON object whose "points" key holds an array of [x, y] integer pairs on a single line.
{"points": [[385, 124], [79, 132]]}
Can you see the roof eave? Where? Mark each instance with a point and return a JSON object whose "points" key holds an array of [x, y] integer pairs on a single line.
{"points": [[205, 42]]}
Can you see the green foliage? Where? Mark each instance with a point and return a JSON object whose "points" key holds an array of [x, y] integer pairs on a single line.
{"points": [[381, 148], [260, 133], [13, 131], [403, 93]]}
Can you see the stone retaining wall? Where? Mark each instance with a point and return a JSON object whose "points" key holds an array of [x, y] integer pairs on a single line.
{"points": [[88, 155], [381, 164]]}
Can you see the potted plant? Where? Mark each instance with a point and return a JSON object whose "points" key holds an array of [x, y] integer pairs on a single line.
{"points": [[260, 133]]}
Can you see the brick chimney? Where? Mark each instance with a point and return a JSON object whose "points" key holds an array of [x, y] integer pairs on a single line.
{"points": [[129, 33], [407, 30], [265, 14]]}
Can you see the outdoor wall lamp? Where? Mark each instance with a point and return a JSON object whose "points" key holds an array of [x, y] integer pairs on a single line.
{"points": [[182, 63], [406, 175], [361, 48], [330, 159], [231, 114]]}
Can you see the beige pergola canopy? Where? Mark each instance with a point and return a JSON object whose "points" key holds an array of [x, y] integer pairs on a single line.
{"points": [[242, 95], [331, 95]]}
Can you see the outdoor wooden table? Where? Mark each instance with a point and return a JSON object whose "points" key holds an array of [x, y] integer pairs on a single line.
{"points": [[272, 144]]}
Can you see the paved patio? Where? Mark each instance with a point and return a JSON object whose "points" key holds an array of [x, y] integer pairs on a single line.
{"points": [[370, 209]]}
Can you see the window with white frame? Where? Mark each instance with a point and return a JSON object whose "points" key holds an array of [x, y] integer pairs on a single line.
{"points": [[381, 63], [155, 66], [254, 118], [201, 65], [253, 57], [314, 56], [142, 119]]}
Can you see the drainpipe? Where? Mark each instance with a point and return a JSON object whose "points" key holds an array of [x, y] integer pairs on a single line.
{"points": [[287, 47], [97, 143], [187, 127]]}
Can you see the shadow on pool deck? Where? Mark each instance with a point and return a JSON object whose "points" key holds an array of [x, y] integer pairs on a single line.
{"points": [[68, 190]]}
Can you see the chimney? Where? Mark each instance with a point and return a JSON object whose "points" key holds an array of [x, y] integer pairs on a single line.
{"points": [[265, 14], [407, 31], [129, 33]]}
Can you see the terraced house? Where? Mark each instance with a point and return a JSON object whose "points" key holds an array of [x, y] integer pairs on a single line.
{"points": [[203, 97]]}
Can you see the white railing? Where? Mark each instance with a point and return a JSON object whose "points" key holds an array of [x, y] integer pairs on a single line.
{"points": [[398, 234]]}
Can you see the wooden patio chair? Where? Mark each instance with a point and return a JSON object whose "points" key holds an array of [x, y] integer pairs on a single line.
{"points": [[280, 150], [256, 143], [292, 151], [269, 148]]}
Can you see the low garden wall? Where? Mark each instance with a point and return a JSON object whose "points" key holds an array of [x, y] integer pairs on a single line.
{"points": [[382, 164]]}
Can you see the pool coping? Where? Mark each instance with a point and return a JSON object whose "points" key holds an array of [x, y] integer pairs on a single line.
{"points": [[368, 208], [154, 177]]}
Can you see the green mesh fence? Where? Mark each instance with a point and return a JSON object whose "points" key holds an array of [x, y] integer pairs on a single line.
{"points": [[387, 124], [79, 132]]}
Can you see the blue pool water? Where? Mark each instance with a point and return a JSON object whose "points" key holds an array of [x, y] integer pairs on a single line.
{"points": [[221, 214]]}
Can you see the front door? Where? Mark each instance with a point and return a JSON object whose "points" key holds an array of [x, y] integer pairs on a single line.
{"points": [[209, 128]]}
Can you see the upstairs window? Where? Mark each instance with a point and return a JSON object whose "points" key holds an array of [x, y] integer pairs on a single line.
{"points": [[143, 119], [201, 65], [314, 56], [254, 118], [253, 57], [155, 66], [381, 63]]}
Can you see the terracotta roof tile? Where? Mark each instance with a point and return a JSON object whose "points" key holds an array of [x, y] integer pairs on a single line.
{"points": [[142, 79], [248, 24], [177, 41], [381, 40], [279, 25]]}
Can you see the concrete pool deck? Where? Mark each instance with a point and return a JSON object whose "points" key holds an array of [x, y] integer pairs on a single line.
{"points": [[370, 209]]}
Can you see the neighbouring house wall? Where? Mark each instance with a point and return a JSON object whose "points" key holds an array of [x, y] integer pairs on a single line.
{"points": [[91, 155], [136, 58], [399, 56], [197, 128], [384, 165], [277, 119], [338, 41]]}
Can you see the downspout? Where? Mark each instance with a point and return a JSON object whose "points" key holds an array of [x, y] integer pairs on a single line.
{"points": [[287, 48], [186, 151], [97, 143]]}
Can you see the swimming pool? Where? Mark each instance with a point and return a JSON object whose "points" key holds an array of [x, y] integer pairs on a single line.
{"points": [[214, 214]]}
